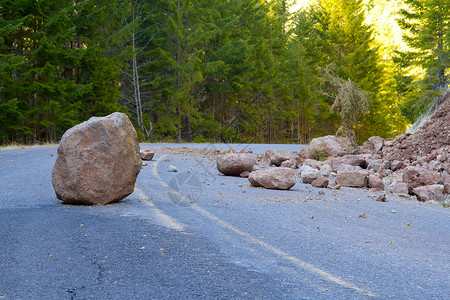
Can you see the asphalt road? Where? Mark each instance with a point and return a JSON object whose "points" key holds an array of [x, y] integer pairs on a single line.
{"points": [[197, 234]]}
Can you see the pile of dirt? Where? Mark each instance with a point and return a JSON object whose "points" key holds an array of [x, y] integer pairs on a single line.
{"points": [[427, 144]]}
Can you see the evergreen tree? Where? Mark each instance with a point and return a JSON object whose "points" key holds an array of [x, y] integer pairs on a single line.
{"points": [[424, 69]]}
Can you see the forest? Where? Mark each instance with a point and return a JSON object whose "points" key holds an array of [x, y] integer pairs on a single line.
{"points": [[253, 71]]}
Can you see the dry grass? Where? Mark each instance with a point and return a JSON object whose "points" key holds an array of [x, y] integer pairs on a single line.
{"points": [[18, 146]]}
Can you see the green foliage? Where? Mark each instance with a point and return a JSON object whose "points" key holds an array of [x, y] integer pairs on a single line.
{"points": [[423, 69]]}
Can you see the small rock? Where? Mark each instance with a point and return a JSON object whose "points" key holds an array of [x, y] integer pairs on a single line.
{"points": [[244, 174], [363, 216], [320, 182], [172, 169], [144, 163], [167, 160], [311, 217], [321, 193], [147, 154], [381, 198], [393, 211]]}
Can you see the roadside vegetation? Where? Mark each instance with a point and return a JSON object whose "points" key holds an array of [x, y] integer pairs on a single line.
{"points": [[223, 71]]}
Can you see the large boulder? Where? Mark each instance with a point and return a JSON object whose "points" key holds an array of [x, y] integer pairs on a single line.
{"points": [[273, 178], [330, 145], [357, 178], [98, 161], [375, 182], [276, 157], [290, 163], [417, 176], [398, 188], [234, 164]]}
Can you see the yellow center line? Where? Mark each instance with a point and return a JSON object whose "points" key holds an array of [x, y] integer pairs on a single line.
{"points": [[249, 238]]}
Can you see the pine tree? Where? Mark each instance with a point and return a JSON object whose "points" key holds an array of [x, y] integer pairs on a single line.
{"points": [[424, 69]]}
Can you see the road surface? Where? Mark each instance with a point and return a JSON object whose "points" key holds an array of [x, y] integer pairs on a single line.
{"points": [[196, 234]]}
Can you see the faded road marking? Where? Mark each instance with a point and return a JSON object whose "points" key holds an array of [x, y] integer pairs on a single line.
{"points": [[302, 264], [163, 218]]}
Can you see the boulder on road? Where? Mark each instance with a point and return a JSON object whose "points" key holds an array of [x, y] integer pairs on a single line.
{"points": [[353, 160], [356, 178], [417, 176], [326, 146], [147, 154], [233, 164], [98, 161], [276, 157], [308, 174], [320, 182], [375, 182], [434, 192], [273, 178], [290, 163], [398, 188]]}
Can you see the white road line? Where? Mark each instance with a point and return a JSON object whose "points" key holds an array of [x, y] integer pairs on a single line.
{"points": [[302, 264], [163, 218]]}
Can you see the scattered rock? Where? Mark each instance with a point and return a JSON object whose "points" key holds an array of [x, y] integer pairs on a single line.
{"points": [[433, 192], [276, 157], [273, 178], [146, 154], [356, 178], [353, 160], [167, 160], [314, 163], [398, 188], [172, 169], [290, 163], [326, 146], [308, 174], [325, 170], [244, 174], [144, 163], [233, 164], [363, 216], [320, 182], [97, 162], [375, 182], [418, 176], [381, 198], [373, 145]]}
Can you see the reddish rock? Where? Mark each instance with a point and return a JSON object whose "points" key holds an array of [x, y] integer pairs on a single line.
{"points": [[375, 182], [233, 164], [357, 178], [433, 192], [353, 160], [273, 178], [373, 145], [320, 182], [290, 163], [276, 157], [417, 176], [329, 145], [398, 188], [381, 198], [98, 161], [147, 154]]}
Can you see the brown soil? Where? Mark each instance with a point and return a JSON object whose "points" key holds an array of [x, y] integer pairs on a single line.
{"points": [[431, 140]]}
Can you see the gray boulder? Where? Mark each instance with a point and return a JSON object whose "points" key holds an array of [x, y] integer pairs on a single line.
{"points": [[326, 146]]}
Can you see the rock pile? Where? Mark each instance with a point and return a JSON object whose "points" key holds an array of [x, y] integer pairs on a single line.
{"points": [[411, 164]]}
